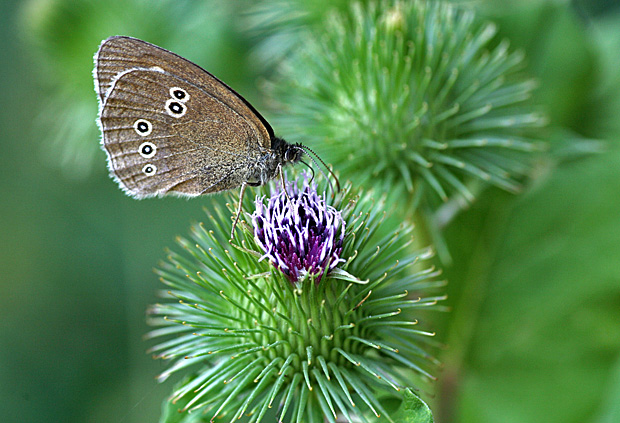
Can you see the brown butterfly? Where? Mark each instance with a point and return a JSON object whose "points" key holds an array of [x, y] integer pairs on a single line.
{"points": [[170, 127]]}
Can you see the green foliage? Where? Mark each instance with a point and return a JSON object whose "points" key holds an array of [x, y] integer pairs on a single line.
{"points": [[548, 296]]}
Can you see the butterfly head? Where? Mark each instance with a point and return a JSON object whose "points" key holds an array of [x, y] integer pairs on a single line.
{"points": [[285, 152], [293, 153]]}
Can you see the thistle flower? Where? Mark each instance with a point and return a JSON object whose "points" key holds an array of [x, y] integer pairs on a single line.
{"points": [[323, 348], [417, 96], [299, 232]]}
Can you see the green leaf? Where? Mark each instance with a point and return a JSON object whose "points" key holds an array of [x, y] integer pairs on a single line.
{"points": [[541, 299], [413, 410]]}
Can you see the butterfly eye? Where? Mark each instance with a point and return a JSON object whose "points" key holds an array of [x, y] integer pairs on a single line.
{"points": [[291, 155], [179, 94], [147, 149], [175, 108], [149, 169], [143, 127]]}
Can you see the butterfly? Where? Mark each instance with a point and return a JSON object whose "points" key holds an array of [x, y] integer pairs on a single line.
{"points": [[170, 127]]}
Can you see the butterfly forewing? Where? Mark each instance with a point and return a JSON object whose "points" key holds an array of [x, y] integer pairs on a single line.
{"points": [[120, 54], [164, 134]]}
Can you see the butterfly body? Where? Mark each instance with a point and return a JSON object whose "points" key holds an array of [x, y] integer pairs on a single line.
{"points": [[170, 127]]}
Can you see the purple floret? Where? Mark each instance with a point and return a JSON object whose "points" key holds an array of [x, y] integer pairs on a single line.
{"points": [[300, 236]]}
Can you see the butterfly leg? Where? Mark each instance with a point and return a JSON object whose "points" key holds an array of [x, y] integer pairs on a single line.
{"points": [[282, 182], [232, 231]]}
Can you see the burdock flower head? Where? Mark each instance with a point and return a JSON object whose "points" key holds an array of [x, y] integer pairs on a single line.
{"points": [[311, 315], [299, 232], [418, 96]]}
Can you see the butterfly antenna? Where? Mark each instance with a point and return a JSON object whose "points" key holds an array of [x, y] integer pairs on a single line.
{"points": [[311, 169], [308, 151]]}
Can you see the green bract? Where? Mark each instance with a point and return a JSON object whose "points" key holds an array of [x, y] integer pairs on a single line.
{"points": [[311, 350]]}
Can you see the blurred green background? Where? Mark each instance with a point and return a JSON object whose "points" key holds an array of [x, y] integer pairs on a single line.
{"points": [[534, 335]]}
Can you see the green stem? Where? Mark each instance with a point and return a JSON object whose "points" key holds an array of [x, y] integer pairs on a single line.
{"points": [[467, 310]]}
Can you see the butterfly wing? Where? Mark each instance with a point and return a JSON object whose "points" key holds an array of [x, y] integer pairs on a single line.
{"points": [[158, 144], [201, 138], [119, 54]]}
